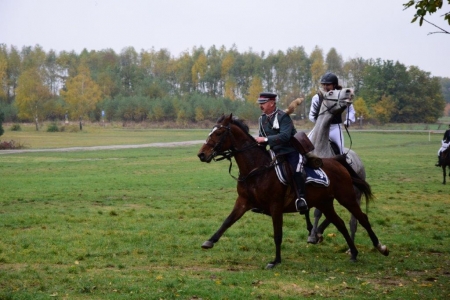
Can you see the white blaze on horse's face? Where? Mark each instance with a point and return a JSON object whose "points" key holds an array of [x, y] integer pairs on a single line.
{"points": [[209, 135]]}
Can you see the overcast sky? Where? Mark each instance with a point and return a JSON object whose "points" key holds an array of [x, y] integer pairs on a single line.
{"points": [[355, 28]]}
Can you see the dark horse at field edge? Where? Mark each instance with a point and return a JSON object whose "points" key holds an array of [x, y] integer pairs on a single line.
{"points": [[444, 160], [259, 187]]}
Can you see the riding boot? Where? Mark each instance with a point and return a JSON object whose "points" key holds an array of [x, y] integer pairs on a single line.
{"points": [[300, 202], [439, 162]]}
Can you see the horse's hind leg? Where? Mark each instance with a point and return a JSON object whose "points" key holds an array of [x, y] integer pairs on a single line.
{"points": [[333, 217], [362, 218], [237, 212], [353, 221]]}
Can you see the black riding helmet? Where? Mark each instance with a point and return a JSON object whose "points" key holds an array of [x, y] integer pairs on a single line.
{"points": [[329, 78]]}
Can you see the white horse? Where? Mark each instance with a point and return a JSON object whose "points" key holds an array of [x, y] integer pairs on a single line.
{"points": [[333, 103]]}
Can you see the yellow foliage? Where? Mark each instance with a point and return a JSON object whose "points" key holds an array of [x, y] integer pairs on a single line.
{"points": [[384, 109], [230, 86], [199, 114], [31, 95], [81, 94], [3, 77], [361, 108], [227, 63], [254, 90], [199, 68]]}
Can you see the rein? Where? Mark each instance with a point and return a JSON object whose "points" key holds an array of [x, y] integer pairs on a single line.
{"points": [[329, 109], [228, 154]]}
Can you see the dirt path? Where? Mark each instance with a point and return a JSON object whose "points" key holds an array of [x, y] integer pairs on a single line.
{"points": [[112, 147]]}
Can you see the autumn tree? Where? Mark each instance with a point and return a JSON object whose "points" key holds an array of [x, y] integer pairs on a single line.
{"points": [[385, 109], [334, 62], [3, 73], [227, 77], [199, 68], [254, 90], [353, 73], [31, 96], [317, 68], [361, 109], [81, 94]]}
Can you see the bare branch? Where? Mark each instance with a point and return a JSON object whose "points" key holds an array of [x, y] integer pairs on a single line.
{"points": [[442, 30]]}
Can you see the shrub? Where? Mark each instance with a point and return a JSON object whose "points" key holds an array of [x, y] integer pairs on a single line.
{"points": [[10, 145], [16, 127], [53, 127]]}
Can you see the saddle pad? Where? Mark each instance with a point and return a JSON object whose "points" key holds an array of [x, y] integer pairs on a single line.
{"points": [[316, 176]]}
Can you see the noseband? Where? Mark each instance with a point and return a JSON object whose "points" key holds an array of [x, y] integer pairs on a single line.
{"points": [[219, 155], [329, 108], [226, 154]]}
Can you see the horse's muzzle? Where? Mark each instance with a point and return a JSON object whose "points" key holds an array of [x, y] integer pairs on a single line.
{"points": [[203, 157]]}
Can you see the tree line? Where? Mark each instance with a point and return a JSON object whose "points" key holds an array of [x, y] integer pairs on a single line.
{"points": [[154, 85]]}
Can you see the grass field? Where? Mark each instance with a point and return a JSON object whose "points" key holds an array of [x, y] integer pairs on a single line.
{"points": [[128, 224]]}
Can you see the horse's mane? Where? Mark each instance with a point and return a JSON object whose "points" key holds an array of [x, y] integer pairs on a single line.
{"points": [[236, 121], [244, 127]]}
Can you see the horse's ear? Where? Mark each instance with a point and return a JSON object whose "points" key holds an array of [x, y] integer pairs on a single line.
{"points": [[228, 119]]}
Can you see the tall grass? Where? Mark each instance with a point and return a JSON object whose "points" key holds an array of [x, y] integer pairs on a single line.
{"points": [[129, 224]]}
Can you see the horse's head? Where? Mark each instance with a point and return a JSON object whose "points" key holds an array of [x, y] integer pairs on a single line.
{"points": [[336, 101], [219, 140]]}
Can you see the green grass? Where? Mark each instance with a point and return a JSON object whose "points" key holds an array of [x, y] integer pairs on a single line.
{"points": [[129, 224], [95, 135]]}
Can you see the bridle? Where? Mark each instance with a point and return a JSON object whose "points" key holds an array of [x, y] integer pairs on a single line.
{"points": [[219, 154], [328, 110]]}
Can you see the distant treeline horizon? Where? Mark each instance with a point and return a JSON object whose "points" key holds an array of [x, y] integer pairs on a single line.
{"points": [[155, 86]]}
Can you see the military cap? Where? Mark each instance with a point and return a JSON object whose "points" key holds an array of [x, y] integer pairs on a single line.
{"points": [[264, 97]]}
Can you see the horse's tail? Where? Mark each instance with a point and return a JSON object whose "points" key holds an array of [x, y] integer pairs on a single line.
{"points": [[291, 108], [357, 181]]}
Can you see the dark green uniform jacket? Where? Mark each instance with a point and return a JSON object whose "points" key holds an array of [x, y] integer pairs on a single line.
{"points": [[278, 138]]}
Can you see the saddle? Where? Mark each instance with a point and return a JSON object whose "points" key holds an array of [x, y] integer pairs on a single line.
{"points": [[303, 145], [313, 175]]}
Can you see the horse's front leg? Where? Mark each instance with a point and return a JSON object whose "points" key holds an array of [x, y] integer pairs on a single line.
{"points": [[313, 237], [240, 207], [309, 225], [443, 171], [277, 222]]}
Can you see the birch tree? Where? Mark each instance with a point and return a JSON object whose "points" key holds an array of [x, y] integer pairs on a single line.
{"points": [[81, 94], [31, 96]]}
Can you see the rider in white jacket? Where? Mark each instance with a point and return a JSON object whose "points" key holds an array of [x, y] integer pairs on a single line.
{"points": [[329, 82]]}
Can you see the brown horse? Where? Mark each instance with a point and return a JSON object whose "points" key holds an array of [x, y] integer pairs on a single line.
{"points": [[259, 187], [444, 160]]}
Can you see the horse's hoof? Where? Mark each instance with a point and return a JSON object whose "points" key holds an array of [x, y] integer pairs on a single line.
{"points": [[271, 265], [207, 245], [353, 259], [349, 252], [311, 240], [319, 238], [383, 249]]}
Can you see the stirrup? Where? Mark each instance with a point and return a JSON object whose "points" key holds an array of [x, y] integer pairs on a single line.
{"points": [[301, 205]]}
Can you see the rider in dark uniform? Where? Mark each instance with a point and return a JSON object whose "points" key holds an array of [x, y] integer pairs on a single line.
{"points": [[445, 139], [276, 129]]}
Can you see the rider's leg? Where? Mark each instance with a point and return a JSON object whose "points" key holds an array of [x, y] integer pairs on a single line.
{"points": [[439, 163], [298, 181], [337, 137], [300, 202]]}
